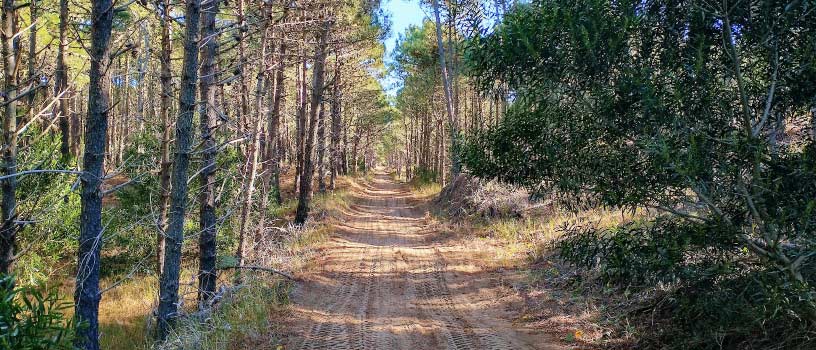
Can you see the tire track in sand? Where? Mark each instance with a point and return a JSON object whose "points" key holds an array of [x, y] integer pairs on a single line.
{"points": [[386, 286]]}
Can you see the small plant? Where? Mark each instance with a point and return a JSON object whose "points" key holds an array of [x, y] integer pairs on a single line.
{"points": [[244, 318], [423, 177], [32, 318]]}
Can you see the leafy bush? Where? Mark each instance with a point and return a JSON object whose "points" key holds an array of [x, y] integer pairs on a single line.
{"points": [[702, 283], [646, 253], [757, 309], [141, 193], [694, 109], [32, 319], [49, 206], [423, 176], [243, 319]]}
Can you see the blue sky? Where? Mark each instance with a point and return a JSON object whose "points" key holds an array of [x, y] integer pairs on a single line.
{"points": [[404, 13]]}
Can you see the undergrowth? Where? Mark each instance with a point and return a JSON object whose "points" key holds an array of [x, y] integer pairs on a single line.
{"points": [[695, 289], [32, 318], [424, 183], [244, 319], [248, 316], [647, 285]]}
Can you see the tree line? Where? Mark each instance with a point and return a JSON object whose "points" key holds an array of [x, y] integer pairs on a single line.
{"points": [[438, 101], [701, 116], [697, 116], [130, 114]]}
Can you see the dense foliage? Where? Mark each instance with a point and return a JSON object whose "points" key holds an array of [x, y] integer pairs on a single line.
{"points": [[31, 319], [700, 112], [422, 139], [122, 117]]}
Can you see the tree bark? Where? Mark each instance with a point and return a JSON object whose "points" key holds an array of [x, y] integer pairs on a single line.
{"points": [[243, 110], [336, 121], [301, 117], [166, 138], [455, 165], [252, 158], [274, 119], [32, 55], [169, 285], [141, 64], [11, 53], [304, 196], [208, 116], [62, 110], [75, 123], [87, 293], [321, 149]]}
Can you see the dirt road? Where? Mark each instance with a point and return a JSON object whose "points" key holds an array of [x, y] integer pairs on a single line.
{"points": [[387, 280]]}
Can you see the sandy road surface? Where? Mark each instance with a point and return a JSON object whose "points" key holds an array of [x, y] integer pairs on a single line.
{"points": [[388, 281]]}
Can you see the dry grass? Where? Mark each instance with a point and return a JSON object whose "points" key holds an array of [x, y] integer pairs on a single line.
{"points": [[123, 314], [520, 244], [421, 189], [123, 310], [537, 231], [332, 204], [246, 318], [427, 190]]}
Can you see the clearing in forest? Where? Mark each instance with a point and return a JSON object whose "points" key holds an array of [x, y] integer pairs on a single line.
{"points": [[388, 280]]}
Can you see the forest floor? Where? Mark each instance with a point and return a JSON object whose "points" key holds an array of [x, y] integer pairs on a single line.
{"points": [[391, 277]]}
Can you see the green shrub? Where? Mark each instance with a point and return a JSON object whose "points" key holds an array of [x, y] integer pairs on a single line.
{"points": [[674, 107], [644, 253], [49, 205], [33, 319], [423, 176], [706, 289]]}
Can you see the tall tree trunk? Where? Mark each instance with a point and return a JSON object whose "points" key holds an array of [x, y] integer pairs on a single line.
{"points": [[252, 159], [452, 62], [273, 156], [271, 164], [141, 63], [321, 149], [75, 123], [334, 163], [267, 152], [243, 110], [62, 110], [304, 196], [354, 148], [301, 117], [33, 7], [87, 293], [168, 289], [125, 117], [113, 93], [208, 117], [409, 147], [344, 169], [455, 164], [11, 53], [165, 102]]}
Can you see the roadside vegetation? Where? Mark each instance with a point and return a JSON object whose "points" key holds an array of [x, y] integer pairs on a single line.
{"points": [[665, 150], [689, 120], [648, 166], [166, 162], [245, 316]]}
